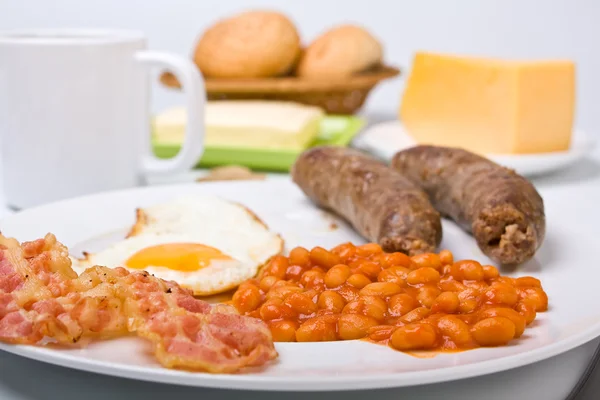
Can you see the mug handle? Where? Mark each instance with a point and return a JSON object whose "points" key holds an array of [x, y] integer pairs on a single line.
{"points": [[192, 84]]}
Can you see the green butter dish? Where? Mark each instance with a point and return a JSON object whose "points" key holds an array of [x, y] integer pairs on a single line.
{"points": [[334, 130]]}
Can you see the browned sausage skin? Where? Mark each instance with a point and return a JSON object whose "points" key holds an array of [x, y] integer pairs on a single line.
{"points": [[381, 204], [502, 209]]}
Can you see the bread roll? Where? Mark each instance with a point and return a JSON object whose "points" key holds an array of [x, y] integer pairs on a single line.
{"points": [[253, 44], [340, 52]]}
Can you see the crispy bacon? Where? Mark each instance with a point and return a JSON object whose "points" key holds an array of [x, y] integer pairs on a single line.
{"points": [[42, 298]]}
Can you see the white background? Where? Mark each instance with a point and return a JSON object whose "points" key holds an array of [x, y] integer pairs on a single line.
{"points": [[496, 28]]}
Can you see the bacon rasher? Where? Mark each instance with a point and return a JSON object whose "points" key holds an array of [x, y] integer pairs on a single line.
{"points": [[43, 299]]}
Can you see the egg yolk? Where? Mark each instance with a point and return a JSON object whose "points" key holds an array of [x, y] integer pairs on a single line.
{"points": [[176, 256]]}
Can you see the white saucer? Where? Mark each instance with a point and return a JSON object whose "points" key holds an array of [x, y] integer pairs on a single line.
{"points": [[385, 139]]}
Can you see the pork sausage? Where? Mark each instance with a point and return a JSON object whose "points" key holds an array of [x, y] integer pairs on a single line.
{"points": [[502, 210], [381, 204]]}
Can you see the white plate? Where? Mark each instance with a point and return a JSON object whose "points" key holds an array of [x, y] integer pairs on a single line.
{"points": [[385, 139], [561, 264]]}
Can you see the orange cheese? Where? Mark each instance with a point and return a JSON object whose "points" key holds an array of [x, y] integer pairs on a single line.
{"points": [[490, 106]]}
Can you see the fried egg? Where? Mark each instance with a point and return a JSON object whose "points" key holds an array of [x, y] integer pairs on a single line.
{"points": [[203, 243]]}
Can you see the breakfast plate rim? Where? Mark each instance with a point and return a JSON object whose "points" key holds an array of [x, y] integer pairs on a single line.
{"points": [[529, 164], [250, 381], [312, 383]]}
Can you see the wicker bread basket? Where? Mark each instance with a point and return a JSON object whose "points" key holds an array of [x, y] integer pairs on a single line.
{"points": [[334, 96]]}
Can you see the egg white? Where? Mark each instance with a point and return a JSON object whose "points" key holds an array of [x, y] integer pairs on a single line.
{"points": [[207, 220]]}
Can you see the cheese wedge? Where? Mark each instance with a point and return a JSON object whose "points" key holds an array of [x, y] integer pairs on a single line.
{"points": [[490, 106], [248, 124]]}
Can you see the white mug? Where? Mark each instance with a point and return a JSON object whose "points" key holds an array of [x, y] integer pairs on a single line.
{"points": [[75, 115]]}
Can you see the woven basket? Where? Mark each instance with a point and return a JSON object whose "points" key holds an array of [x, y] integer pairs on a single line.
{"points": [[334, 96]]}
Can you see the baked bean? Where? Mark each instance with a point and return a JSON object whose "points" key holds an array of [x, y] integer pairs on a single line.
{"points": [[270, 311], [490, 272], [328, 318], [323, 312], [354, 264], [281, 283], [300, 256], [273, 300], [349, 293], [536, 296], [312, 279], [336, 276], [395, 260], [509, 313], [505, 279], [455, 329], [469, 319], [414, 337], [446, 257], [423, 275], [501, 293], [447, 270], [469, 270], [450, 285], [446, 302], [267, 282], [354, 326], [395, 275], [400, 271], [494, 331], [469, 293], [368, 249], [424, 301], [359, 281], [480, 286], [283, 330], [282, 292], [277, 267], [526, 308], [401, 304], [370, 269], [427, 295], [342, 247], [294, 272], [467, 306], [246, 299], [389, 276], [382, 289], [370, 306], [528, 281], [323, 258], [381, 332], [300, 303], [312, 294], [353, 307], [374, 307], [427, 260], [345, 251], [415, 315], [330, 300], [318, 329]]}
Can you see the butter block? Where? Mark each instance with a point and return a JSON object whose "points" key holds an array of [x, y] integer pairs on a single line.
{"points": [[490, 106], [248, 124]]}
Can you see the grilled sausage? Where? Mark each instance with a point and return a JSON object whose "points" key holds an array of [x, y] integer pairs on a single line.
{"points": [[502, 210], [381, 204]]}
